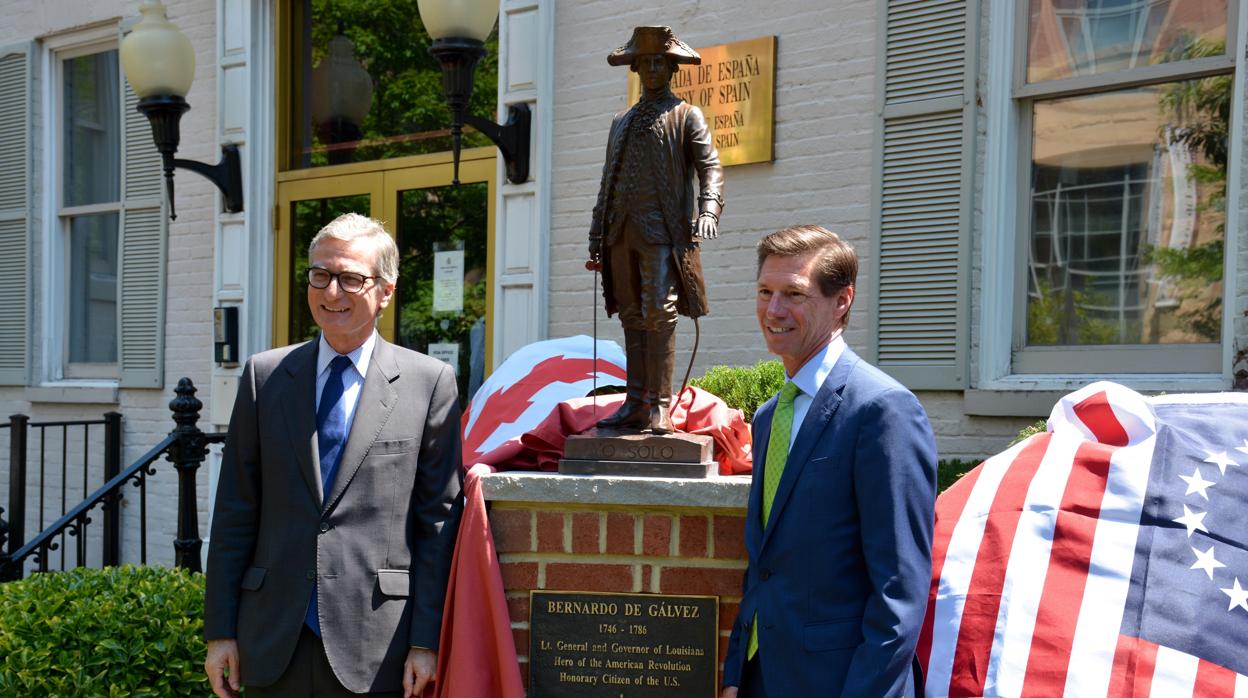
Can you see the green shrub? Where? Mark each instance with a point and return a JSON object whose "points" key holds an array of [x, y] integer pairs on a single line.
{"points": [[948, 472], [1036, 428], [120, 631], [744, 388]]}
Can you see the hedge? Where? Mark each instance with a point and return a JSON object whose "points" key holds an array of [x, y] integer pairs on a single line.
{"points": [[745, 388], [119, 631]]}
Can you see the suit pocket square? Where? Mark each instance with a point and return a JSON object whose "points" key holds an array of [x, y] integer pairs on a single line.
{"points": [[394, 583], [836, 635], [253, 578], [381, 448]]}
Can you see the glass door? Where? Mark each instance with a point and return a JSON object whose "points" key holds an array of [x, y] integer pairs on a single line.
{"points": [[445, 293]]}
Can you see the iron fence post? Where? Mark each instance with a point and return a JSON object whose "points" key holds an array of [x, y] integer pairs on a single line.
{"points": [[16, 532], [112, 508], [4, 554], [186, 454]]}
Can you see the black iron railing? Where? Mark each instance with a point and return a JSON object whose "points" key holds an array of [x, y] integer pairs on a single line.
{"points": [[186, 447], [58, 460]]}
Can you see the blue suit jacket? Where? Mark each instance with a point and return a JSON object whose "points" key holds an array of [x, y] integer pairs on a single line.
{"points": [[840, 577]]}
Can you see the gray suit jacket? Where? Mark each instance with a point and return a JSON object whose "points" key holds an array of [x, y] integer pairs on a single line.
{"points": [[379, 543]]}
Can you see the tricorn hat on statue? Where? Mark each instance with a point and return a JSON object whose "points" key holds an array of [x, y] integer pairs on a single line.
{"points": [[654, 40]]}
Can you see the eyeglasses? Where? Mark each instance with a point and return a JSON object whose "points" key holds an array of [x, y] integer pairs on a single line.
{"points": [[348, 281]]}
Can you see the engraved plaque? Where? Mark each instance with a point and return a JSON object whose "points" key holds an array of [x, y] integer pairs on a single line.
{"points": [[669, 448], [588, 645], [600, 452]]}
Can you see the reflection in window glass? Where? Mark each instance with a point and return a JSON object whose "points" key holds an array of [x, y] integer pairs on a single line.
{"points": [[309, 217], [365, 87], [93, 289], [1069, 38], [1128, 199], [91, 142], [442, 235]]}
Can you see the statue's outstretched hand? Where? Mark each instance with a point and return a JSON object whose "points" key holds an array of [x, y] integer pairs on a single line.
{"points": [[707, 228]]}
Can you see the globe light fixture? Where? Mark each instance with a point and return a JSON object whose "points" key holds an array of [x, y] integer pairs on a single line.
{"points": [[459, 29], [160, 64], [342, 94]]}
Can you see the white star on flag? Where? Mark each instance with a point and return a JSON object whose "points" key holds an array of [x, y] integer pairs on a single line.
{"points": [[1193, 520], [1244, 448], [1220, 459], [1239, 596], [1197, 484], [1206, 561]]}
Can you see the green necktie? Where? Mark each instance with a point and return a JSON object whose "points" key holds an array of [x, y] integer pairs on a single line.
{"points": [[773, 469]]}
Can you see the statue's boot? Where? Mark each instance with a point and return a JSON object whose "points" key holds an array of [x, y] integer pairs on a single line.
{"points": [[660, 358], [634, 413]]}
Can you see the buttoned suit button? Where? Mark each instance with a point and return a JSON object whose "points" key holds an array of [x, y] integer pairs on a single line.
{"points": [[324, 526], [765, 575], [310, 574]]}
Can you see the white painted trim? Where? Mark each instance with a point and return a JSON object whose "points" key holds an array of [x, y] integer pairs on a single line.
{"points": [[259, 174], [1236, 132], [996, 297], [545, 119], [540, 98], [999, 234]]}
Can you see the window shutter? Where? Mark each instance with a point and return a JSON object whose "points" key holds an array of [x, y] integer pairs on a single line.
{"points": [[144, 232], [15, 174], [924, 157]]}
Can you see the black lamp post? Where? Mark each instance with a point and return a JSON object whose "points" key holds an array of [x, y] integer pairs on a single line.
{"points": [[459, 29], [160, 65]]}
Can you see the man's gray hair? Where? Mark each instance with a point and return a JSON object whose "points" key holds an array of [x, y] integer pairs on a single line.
{"points": [[350, 227]]}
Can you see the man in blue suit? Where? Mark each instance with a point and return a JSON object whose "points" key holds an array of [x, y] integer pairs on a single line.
{"points": [[839, 525]]}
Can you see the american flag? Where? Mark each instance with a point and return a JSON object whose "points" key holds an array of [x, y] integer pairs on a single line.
{"points": [[1106, 557]]}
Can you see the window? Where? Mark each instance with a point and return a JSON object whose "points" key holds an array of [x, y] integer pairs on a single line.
{"points": [[89, 204], [1122, 110], [99, 266]]}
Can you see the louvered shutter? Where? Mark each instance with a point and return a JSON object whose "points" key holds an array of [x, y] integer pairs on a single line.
{"points": [[924, 157], [143, 251], [15, 173]]}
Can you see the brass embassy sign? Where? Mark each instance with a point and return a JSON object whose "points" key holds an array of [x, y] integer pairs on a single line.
{"points": [[735, 87]]}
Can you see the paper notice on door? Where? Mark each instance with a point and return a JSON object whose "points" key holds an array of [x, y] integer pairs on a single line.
{"points": [[446, 351], [448, 281]]}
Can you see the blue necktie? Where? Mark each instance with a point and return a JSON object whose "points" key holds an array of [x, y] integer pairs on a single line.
{"points": [[331, 422], [331, 434]]}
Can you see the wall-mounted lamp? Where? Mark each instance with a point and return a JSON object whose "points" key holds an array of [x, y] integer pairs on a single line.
{"points": [[160, 64], [459, 29]]}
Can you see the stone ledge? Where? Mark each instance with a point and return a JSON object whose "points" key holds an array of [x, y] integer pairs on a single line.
{"points": [[717, 492]]}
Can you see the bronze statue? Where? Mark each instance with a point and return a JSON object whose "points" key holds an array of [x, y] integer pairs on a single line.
{"points": [[647, 223]]}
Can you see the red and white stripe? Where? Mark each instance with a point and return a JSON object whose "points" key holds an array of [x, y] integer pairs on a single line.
{"points": [[1142, 669], [1035, 622]]}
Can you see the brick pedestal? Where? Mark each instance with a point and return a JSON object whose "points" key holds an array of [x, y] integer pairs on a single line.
{"points": [[620, 535]]}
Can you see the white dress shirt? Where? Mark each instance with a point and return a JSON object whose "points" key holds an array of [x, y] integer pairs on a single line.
{"points": [[352, 378]]}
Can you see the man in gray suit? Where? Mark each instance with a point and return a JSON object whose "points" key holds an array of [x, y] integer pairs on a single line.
{"points": [[339, 497]]}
